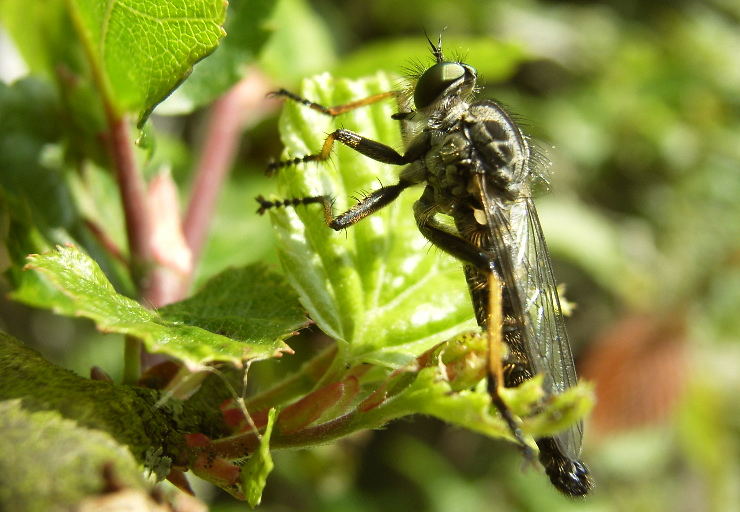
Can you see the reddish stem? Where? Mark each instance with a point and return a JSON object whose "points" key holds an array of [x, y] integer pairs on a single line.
{"points": [[235, 447], [244, 103], [133, 193], [106, 241]]}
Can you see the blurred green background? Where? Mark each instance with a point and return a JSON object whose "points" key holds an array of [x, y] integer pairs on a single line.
{"points": [[636, 104]]}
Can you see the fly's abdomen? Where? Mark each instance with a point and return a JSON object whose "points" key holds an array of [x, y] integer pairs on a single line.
{"points": [[516, 367]]}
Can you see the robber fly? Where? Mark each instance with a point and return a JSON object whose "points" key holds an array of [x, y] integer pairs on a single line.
{"points": [[475, 164]]}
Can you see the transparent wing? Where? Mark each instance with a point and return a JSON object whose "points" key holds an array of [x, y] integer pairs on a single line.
{"points": [[548, 339], [526, 270]]}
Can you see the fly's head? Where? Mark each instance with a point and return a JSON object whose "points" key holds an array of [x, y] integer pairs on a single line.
{"points": [[444, 85]]}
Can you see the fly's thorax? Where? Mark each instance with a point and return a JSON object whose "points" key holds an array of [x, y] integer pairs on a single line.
{"points": [[449, 164], [501, 148], [448, 119]]}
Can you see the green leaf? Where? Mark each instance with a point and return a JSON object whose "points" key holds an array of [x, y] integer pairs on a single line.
{"points": [[130, 54], [258, 467], [242, 303], [142, 50], [30, 124], [561, 411], [246, 33], [43, 33], [451, 386], [86, 292], [378, 286], [430, 393], [18, 238]]}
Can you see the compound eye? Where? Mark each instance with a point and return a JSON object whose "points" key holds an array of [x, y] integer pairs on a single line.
{"points": [[435, 81]]}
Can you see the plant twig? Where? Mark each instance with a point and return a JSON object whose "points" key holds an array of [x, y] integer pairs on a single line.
{"points": [[133, 195], [296, 384], [132, 360], [130, 183], [136, 214], [106, 241], [243, 104]]}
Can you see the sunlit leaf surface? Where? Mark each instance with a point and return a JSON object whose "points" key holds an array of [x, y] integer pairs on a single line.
{"points": [[241, 314], [379, 286]]}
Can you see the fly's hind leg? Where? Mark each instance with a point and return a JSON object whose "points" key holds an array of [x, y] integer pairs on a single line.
{"points": [[483, 264], [496, 355]]}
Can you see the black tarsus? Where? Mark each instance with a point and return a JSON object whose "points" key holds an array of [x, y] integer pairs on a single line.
{"points": [[509, 418], [283, 203], [299, 99]]}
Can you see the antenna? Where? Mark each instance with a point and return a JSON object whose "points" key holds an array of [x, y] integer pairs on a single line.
{"points": [[436, 49]]}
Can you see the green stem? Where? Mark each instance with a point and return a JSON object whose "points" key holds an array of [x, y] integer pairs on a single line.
{"points": [[132, 360]]}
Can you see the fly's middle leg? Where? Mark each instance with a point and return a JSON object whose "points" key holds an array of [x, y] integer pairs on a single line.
{"points": [[445, 238], [368, 147]]}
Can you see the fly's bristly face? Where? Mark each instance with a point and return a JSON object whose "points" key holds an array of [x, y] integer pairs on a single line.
{"points": [[444, 84], [441, 91]]}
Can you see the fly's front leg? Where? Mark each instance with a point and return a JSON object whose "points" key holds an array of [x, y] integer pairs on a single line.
{"points": [[368, 147], [336, 109], [370, 204]]}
